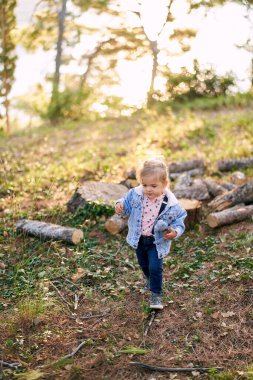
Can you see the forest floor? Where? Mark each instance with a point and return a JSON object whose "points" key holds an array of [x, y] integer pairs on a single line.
{"points": [[45, 313]]}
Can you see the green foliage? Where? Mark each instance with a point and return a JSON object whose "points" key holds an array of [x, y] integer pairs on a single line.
{"points": [[68, 104], [197, 84], [7, 54], [134, 350]]}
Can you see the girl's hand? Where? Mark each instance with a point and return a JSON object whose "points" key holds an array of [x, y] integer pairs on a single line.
{"points": [[119, 208], [169, 234]]}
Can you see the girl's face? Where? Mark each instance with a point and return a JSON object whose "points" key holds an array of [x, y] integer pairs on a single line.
{"points": [[152, 186]]}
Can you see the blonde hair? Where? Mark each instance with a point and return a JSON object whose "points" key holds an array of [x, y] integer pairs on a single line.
{"points": [[156, 168]]}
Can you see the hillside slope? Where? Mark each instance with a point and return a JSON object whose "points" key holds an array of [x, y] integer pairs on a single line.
{"points": [[46, 312]]}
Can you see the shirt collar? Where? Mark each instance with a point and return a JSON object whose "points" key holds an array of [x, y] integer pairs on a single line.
{"points": [[172, 200]]}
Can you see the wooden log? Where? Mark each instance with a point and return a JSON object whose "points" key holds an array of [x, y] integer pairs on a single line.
{"points": [[49, 231], [231, 215], [214, 188], [193, 173], [197, 190], [227, 165], [228, 186], [184, 180], [242, 194], [182, 166], [117, 223]]}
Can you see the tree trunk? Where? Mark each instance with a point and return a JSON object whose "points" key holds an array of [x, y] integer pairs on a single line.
{"points": [[229, 216], [242, 194], [56, 80], [49, 231], [155, 51]]}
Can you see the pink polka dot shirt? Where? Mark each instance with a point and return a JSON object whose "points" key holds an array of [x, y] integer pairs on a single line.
{"points": [[151, 209]]}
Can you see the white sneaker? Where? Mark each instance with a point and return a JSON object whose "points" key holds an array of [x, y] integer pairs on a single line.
{"points": [[155, 301]]}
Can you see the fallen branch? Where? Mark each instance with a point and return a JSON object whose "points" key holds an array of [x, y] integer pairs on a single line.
{"points": [[68, 356], [9, 365], [152, 318], [90, 316], [61, 296], [165, 369], [76, 301]]}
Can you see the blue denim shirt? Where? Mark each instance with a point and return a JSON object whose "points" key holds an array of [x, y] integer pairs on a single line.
{"points": [[173, 215]]}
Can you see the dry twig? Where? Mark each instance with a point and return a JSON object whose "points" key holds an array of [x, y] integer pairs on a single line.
{"points": [[68, 356], [61, 296], [9, 365], [165, 369], [152, 317]]}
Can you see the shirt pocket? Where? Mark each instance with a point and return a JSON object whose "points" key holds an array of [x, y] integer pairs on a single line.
{"points": [[135, 203]]}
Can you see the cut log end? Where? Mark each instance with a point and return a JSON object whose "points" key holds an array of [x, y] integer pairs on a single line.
{"points": [[77, 236], [116, 224], [212, 221]]}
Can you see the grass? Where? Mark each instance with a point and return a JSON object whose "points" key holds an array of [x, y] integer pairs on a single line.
{"points": [[208, 276]]}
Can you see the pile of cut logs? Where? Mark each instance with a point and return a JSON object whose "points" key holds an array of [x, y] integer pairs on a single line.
{"points": [[225, 202]]}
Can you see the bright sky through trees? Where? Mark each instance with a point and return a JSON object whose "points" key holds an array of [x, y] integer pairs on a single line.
{"points": [[215, 43]]}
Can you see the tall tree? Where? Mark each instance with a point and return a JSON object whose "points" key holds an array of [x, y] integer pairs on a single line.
{"points": [[7, 55], [58, 59]]}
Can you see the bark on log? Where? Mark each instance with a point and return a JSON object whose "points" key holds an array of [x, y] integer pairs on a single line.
{"points": [[90, 191], [228, 186], [242, 194], [49, 231], [227, 165], [214, 188], [198, 190], [116, 223], [184, 180], [231, 215], [193, 173], [182, 166]]}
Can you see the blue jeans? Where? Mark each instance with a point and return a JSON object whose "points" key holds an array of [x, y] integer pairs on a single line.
{"points": [[151, 266]]}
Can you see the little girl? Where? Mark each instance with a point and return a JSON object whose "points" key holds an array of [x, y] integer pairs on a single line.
{"points": [[155, 218]]}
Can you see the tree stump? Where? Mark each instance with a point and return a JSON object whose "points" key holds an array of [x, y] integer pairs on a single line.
{"points": [[105, 193], [49, 231], [193, 208]]}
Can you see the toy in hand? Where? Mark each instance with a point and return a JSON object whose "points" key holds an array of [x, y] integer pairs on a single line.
{"points": [[169, 233]]}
